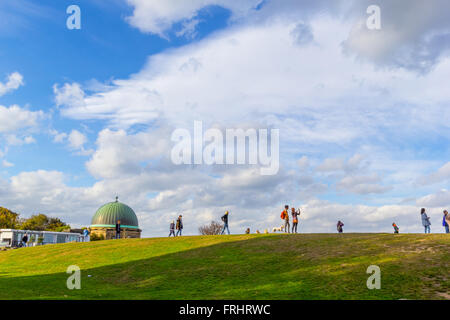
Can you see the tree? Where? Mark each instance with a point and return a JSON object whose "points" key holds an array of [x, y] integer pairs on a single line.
{"points": [[8, 219], [213, 228], [41, 222], [35, 222], [55, 224]]}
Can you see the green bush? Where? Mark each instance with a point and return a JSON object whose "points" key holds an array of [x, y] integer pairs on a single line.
{"points": [[97, 237]]}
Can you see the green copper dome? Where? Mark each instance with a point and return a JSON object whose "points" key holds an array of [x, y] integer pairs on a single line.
{"points": [[108, 215]]}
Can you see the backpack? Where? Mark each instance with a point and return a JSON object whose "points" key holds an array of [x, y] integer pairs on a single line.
{"points": [[283, 215], [223, 218]]}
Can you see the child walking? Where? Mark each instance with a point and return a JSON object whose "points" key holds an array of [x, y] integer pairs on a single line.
{"points": [[172, 229]]}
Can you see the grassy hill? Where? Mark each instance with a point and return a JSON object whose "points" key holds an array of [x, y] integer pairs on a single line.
{"points": [[307, 266]]}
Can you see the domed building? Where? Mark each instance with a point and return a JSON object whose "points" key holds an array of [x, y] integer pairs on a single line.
{"points": [[106, 217]]}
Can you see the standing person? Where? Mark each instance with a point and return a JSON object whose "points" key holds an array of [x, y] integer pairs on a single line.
{"points": [[395, 227], [118, 229], [86, 235], [425, 220], [225, 223], [446, 221], [25, 240], [339, 226], [285, 216], [295, 215], [172, 229], [179, 225]]}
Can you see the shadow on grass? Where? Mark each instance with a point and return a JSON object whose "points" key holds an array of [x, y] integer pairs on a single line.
{"points": [[263, 267]]}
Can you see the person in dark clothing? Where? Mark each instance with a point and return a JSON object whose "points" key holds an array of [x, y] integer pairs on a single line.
{"points": [[339, 226], [295, 215], [395, 227], [172, 229], [118, 229], [24, 240], [179, 225], [225, 223]]}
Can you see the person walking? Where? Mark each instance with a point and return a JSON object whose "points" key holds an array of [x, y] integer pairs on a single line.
{"points": [[86, 235], [295, 215], [179, 225], [339, 226], [285, 216], [425, 220], [172, 229], [446, 221], [225, 223], [395, 227], [118, 229], [25, 240]]}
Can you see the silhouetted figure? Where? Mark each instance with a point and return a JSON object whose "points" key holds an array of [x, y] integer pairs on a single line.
{"points": [[24, 240], [225, 223], [118, 229], [339, 226], [179, 225]]}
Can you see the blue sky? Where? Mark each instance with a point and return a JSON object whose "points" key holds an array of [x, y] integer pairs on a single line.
{"points": [[45, 52], [88, 114]]}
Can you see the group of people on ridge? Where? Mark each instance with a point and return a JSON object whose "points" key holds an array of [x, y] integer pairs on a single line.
{"points": [[178, 226], [427, 223], [285, 217], [295, 219]]}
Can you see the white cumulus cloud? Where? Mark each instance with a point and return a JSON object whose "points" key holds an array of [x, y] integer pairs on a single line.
{"points": [[13, 82], [157, 17]]}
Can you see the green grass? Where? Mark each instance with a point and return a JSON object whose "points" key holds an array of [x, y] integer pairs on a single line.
{"points": [[307, 266]]}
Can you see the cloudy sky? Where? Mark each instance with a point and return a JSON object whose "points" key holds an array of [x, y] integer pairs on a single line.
{"points": [[88, 114]]}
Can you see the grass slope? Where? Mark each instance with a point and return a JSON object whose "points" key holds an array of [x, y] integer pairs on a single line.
{"points": [[307, 266]]}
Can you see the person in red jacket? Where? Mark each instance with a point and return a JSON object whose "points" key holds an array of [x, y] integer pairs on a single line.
{"points": [[285, 217], [395, 227]]}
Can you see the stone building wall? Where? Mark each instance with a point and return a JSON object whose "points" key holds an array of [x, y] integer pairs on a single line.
{"points": [[110, 233]]}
